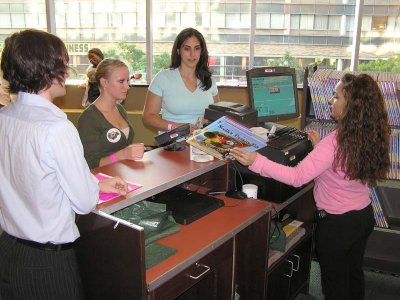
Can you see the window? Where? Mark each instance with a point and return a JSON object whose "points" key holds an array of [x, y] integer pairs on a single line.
{"points": [[263, 21], [277, 21], [379, 23], [321, 22], [103, 24], [295, 22], [295, 32], [224, 24], [334, 22], [307, 22]]}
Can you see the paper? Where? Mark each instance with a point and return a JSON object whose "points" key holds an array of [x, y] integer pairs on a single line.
{"points": [[104, 197]]}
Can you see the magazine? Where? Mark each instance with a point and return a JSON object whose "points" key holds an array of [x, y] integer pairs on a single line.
{"points": [[104, 197], [224, 134]]}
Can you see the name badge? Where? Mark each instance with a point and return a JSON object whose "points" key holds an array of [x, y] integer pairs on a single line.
{"points": [[113, 135]]}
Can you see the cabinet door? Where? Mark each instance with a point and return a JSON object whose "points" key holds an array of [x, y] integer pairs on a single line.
{"points": [[209, 278], [251, 246], [279, 281], [111, 259], [300, 259], [290, 275]]}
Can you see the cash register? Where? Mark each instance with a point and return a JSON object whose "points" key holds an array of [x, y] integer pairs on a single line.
{"points": [[242, 113]]}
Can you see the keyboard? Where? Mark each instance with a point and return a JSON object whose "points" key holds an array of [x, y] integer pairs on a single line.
{"points": [[283, 141]]}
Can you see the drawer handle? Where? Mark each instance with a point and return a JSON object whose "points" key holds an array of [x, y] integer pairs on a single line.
{"points": [[291, 269], [207, 268], [298, 263]]}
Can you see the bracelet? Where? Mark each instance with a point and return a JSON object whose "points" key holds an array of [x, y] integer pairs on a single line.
{"points": [[170, 126], [113, 158]]}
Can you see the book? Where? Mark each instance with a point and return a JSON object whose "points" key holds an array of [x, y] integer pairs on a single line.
{"points": [[224, 134], [291, 227], [104, 197]]}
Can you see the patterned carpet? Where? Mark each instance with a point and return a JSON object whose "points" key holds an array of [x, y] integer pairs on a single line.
{"points": [[378, 286]]}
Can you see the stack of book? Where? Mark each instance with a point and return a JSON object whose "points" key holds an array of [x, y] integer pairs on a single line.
{"points": [[293, 231]]}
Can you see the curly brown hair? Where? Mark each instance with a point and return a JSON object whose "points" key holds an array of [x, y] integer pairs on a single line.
{"points": [[363, 132]]}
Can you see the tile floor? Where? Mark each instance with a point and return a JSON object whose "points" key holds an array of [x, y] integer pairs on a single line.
{"points": [[378, 286]]}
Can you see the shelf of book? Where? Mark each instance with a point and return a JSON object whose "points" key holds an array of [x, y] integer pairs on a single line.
{"points": [[395, 230], [322, 83], [390, 183]]}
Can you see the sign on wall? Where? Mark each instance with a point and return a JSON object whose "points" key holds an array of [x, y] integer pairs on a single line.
{"points": [[77, 48], [72, 48]]}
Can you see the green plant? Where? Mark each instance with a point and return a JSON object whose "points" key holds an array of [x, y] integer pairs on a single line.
{"points": [[161, 62], [130, 54]]}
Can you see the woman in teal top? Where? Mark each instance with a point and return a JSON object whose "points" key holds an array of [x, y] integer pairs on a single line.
{"points": [[182, 92], [104, 128]]}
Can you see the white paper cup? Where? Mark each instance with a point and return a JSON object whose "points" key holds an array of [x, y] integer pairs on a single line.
{"points": [[250, 190]]}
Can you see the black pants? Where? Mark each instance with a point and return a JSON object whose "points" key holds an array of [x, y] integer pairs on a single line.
{"points": [[340, 246], [30, 273], [93, 92]]}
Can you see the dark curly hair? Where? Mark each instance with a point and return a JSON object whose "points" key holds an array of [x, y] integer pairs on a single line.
{"points": [[203, 72], [32, 59], [363, 132]]}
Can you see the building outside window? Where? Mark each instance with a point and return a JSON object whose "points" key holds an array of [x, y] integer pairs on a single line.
{"points": [[294, 33]]}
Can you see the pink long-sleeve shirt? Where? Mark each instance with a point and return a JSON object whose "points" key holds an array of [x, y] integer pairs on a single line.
{"points": [[332, 191]]}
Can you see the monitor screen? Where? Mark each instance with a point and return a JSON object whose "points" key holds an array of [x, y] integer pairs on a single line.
{"points": [[273, 93]]}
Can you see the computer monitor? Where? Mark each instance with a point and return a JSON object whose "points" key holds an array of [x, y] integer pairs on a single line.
{"points": [[273, 93]]}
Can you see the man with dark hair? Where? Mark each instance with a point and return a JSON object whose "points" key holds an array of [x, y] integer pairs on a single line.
{"points": [[45, 180]]}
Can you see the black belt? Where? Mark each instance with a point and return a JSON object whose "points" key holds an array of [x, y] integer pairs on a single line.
{"points": [[320, 215], [48, 246]]}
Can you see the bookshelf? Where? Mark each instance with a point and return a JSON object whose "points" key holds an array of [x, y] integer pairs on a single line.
{"points": [[384, 244]]}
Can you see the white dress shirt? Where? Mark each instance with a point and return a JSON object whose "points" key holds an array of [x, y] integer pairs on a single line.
{"points": [[44, 177]]}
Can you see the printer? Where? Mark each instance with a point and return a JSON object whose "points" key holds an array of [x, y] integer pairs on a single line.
{"points": [[239, 112]]}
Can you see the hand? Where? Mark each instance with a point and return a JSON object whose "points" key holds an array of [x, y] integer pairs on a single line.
{"points": [[83, 85], [193, 128], [244, 157], [133, 152], [136, 76], [201, 122], [114, 185], [313, 136]]}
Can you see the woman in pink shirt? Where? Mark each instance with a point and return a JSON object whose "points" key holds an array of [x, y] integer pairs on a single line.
{"points": [[342, 165]]}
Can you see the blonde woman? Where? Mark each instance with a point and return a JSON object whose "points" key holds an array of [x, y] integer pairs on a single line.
{"points": [[104, 128]]}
